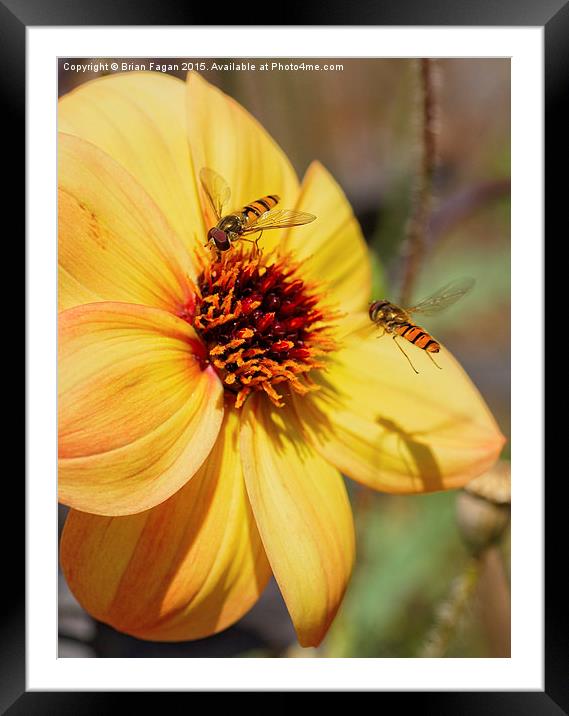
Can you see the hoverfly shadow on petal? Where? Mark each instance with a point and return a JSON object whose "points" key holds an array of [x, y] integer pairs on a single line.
{"points": [[423, 461]]}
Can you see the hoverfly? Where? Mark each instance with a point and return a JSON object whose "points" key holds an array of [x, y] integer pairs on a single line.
{"points": [[397, 321], [254, 218]]}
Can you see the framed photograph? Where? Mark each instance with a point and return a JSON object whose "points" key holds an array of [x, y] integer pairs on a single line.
{"points": [[279, 328]]}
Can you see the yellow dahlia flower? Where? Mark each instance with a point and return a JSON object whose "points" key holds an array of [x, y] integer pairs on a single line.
{"points": [[209, 404]]}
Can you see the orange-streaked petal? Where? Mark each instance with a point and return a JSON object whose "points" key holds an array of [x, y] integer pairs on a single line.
{"points": [[114, 243], [138, 413], [302, 510], [332, 246], [224, 137], [139, 119], [396, 431], [186, 569]]}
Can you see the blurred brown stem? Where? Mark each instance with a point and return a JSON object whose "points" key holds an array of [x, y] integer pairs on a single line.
{"points": [[494, 596], [483, 575], [451, 610], [418, 224]]}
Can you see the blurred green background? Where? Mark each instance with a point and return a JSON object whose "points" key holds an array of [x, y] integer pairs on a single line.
{"points": [[363, 124]]}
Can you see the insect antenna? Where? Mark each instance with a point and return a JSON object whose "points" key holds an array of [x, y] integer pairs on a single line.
{"points": [[405, 354]]}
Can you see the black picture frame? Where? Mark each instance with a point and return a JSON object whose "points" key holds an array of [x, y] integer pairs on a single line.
{"points": [[553, 15]]}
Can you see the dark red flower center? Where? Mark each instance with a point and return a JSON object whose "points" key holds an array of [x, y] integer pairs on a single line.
{"points": [[261, 323]]}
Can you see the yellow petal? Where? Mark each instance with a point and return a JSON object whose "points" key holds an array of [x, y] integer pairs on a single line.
{"points": [[224, 137], [302, 510], [114, 244], [332, 246], [139, 119], [138, 413], [396, 431], [186, 569]]}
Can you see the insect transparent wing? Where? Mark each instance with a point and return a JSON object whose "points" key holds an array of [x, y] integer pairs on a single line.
{"points": [[280, 219], [216, 189], [444, 297]]}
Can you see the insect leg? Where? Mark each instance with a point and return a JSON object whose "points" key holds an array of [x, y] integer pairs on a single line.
{"points": [[405, 354], [211, 246], [250, 241], [253, 241], [257, 241], [434, 361]]}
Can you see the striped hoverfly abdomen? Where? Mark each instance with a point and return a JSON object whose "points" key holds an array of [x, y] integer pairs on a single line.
{"points": [[398, 321]]}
